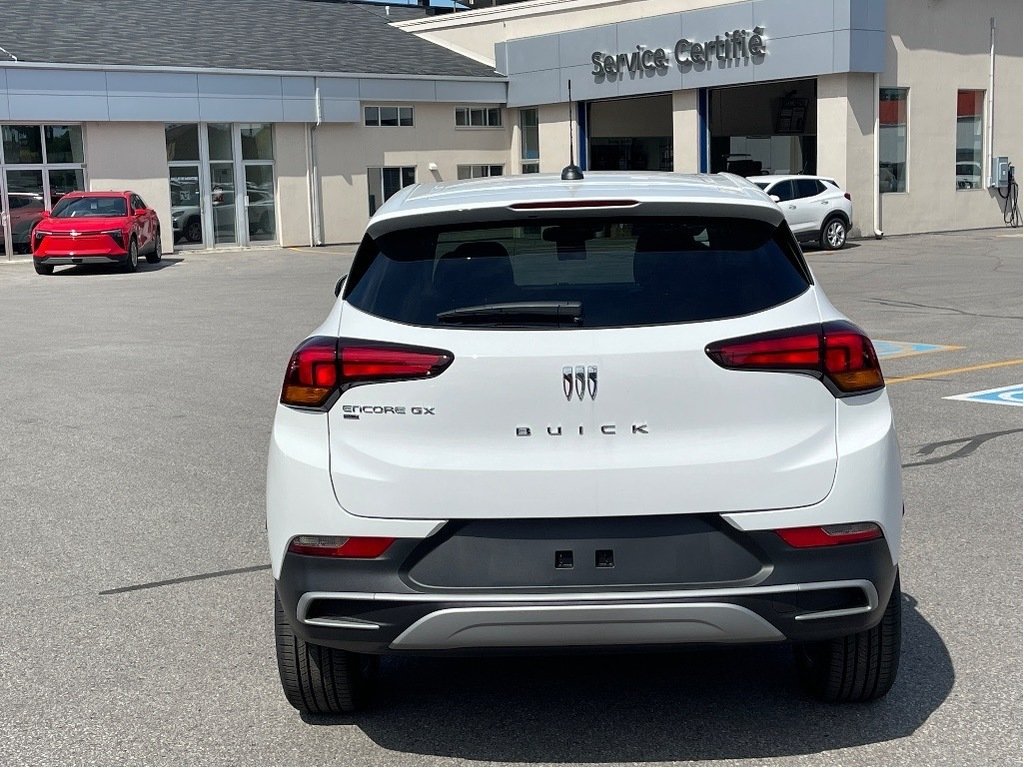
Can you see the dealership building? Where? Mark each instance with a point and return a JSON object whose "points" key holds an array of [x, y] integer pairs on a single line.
{"points": [[288, 122]]}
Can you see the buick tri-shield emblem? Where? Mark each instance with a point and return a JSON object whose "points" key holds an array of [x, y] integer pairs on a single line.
{"points": [[579, 380]]}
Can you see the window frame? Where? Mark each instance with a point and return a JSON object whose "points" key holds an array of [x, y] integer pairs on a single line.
{"points": [[982, 116], [906, 138], [528, 164], [485, 111], [487, 167], [409, 108], [380, 182]]}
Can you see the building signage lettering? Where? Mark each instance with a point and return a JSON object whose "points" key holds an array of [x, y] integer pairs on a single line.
{"points": [[733, 45]]}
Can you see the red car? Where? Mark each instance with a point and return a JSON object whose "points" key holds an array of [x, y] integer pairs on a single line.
{"points": [[96, 228]]}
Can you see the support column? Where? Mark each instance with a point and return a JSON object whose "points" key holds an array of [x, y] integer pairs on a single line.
{"points": [[685, 132], [846, 140]]}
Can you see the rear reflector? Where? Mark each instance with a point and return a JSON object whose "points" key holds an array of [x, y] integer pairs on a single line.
{"points": [[829, 535], [837, 352], [356, 547], [322, 367]]}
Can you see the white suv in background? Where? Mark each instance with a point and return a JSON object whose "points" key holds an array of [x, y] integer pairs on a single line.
{"points": [[599, 413], [816, 208]]}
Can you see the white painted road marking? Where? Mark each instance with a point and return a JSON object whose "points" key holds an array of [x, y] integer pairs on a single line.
{"points": [[1011, 395]]}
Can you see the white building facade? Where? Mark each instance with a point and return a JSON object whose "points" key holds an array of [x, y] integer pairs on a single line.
{"points": [[904, 102]]}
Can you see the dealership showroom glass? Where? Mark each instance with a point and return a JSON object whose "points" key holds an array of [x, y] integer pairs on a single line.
{"points": [[256, 132]]}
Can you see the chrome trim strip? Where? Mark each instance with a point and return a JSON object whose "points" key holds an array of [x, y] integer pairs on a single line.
{"points": [[869, 592], [342, 623], [593, 597]]}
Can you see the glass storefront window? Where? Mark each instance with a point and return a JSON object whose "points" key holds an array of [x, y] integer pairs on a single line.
{"points": [[892, 140], [23, 144], [25, 203], [64, 180], [970, 110], [222, 195], [529, 127], [258, 142], [64, 144], [182, 141], [259, 202], [31, 190], [219, 136], [186, 204]]}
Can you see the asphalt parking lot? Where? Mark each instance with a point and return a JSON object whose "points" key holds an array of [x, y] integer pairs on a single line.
{"points": [[137, 619]]}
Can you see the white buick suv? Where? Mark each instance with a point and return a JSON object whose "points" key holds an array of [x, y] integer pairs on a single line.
{"points": [[598, 413], [816, 207]]}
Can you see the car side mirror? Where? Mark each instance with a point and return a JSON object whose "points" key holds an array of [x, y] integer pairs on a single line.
{"points": [[775, 198], [140, 212], [44, 214], [339, 285]]}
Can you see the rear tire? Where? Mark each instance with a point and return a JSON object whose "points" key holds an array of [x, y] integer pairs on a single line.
{"points": [[320, 680], [859, 667], [157, 254], [833, 234], [43, 269]]}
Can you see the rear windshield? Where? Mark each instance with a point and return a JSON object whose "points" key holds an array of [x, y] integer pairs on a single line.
{"points": [[577, 273], [80, 207]]}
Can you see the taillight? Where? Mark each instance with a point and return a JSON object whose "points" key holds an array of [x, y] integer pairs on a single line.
{"points": [[850, 359], [312, 375], [829, 535], [321, 368], [837, 352], [386, 363], [357, 547], [847, 196]]}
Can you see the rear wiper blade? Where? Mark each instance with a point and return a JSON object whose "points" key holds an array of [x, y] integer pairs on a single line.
{"points": [[517, 313]]}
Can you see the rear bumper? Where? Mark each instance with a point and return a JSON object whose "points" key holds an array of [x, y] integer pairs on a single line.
{"points": [[93, 259], [375, 606]]}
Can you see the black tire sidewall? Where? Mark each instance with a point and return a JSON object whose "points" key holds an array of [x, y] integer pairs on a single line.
{"points": [[131, 262], [822, 665], [154, 258]]}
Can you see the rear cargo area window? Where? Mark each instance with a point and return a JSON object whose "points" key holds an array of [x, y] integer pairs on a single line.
{"points": [[577, 273]]}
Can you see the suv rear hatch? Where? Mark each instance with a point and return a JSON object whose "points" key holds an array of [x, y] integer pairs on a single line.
{"points": [[579, 384]]}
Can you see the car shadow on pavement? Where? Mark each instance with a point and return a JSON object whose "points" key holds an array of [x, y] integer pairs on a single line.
{"points": [[706, 704], [813, 247], [115, 269]]}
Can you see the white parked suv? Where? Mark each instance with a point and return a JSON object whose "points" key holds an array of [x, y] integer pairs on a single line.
{"points": [[816, 208], [594, 414]]}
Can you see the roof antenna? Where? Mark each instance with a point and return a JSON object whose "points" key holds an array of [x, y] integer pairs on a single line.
{"points": [[571, 172]]}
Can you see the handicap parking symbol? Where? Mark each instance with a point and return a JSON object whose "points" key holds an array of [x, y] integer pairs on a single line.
{"points": [[1011, 395], [890, 349]]}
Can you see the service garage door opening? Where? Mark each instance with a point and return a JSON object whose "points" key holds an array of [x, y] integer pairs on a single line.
{"points": [[630, 134], [764, 129]]}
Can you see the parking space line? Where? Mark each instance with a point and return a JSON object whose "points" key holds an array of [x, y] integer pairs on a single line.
{"points": [[950, 371]]}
